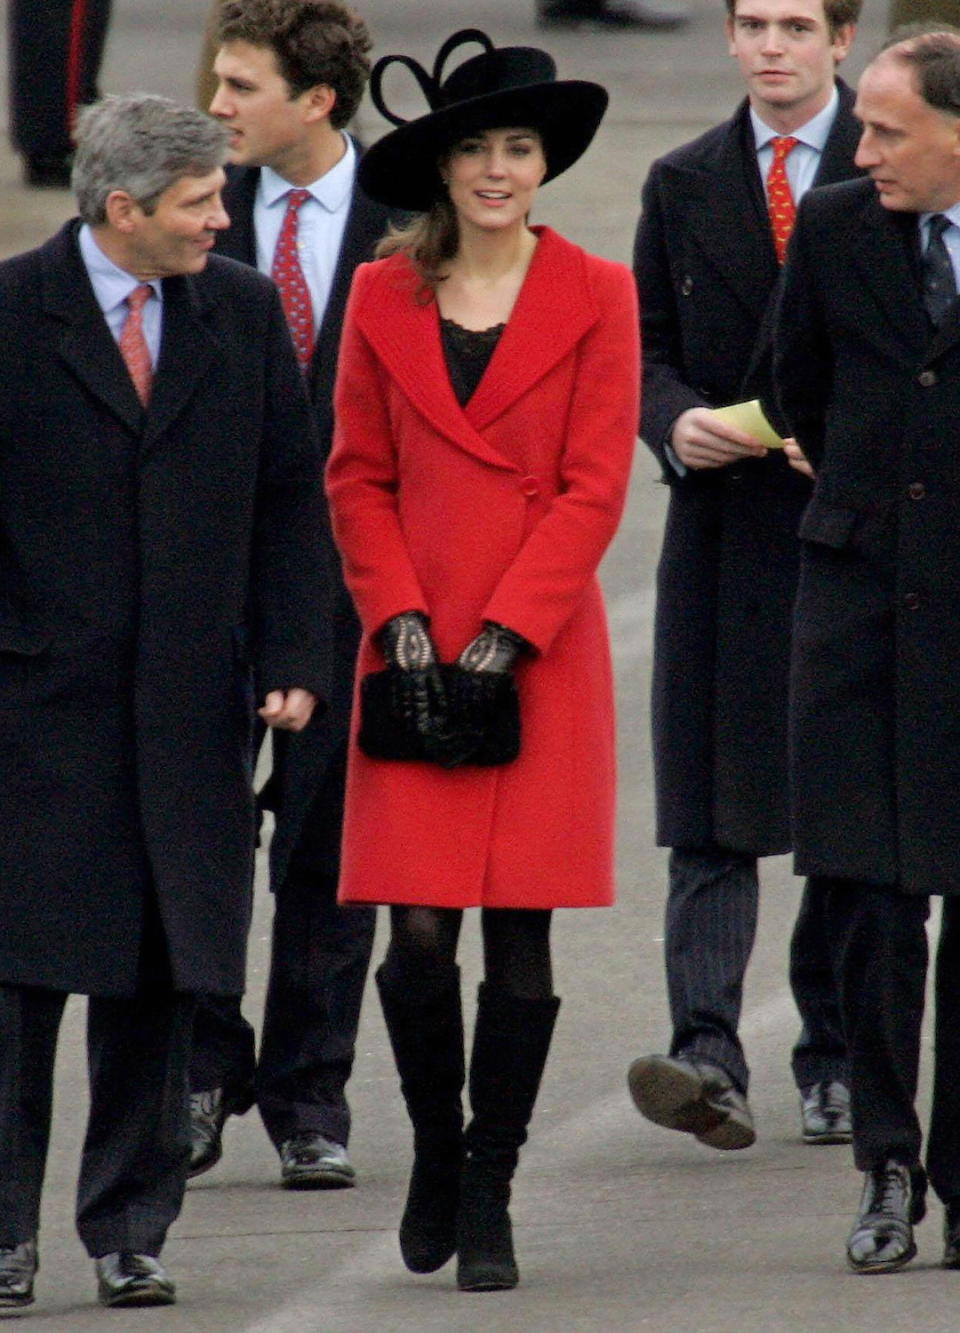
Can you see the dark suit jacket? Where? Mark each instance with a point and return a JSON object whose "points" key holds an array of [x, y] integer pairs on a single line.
{"points": [[147, 558], [309, 769], [873, 394], [706, 271]]}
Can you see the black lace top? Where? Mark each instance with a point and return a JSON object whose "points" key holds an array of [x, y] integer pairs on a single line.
{"points": [[467, 353]]}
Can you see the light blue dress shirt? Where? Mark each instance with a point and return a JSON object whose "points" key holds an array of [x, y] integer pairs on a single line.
{"points": [[951, 236], [112, 285], [322, 219], [802, 163]]}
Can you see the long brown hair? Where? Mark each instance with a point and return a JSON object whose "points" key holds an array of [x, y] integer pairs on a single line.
{"points": [[429, 241]]}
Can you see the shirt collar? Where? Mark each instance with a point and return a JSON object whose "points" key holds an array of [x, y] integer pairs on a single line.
{"points": [[331, 190], [814, 134], [953, 213], [111, 283]]}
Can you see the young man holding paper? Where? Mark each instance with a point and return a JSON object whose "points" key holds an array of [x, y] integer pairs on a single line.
{"points": [[717, 214]]}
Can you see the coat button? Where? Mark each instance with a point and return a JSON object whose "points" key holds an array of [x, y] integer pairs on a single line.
{"points": [[916, 490], [911, 600], [926, 378], [686, 287], [530, 487]]}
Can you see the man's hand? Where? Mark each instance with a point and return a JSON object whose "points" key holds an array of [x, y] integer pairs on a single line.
{"points": [[288, 710], [796, 459], [701, 439]]}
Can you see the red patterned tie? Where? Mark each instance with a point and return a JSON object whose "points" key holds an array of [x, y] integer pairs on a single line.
{"points": [[288, 275], [133, 345], [783, 210]]}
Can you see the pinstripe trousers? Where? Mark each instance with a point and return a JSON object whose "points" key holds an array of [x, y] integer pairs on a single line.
{"points": [[710, 927]]}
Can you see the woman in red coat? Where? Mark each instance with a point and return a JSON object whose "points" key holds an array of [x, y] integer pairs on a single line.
{"points": [[486, 413]]}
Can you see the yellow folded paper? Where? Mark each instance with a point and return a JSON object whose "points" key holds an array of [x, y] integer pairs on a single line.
{"points": [[749, 417]]}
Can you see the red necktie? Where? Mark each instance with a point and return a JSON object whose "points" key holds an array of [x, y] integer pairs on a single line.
{"points": [[133, 345], [288, 275], [783, 210]]}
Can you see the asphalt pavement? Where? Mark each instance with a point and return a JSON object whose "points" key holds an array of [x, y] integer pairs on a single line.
{"points": [[619, 1225]]}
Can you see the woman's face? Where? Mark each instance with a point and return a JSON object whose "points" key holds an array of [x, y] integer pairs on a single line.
{"points": [[492, 177]]}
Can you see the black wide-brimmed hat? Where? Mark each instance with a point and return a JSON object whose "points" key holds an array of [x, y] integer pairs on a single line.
{"points": [[504, 87]]}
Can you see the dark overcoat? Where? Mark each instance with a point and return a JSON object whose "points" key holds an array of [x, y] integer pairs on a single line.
{"points": [[872, 393], [159, 570], [706, 270], [309, 769]]}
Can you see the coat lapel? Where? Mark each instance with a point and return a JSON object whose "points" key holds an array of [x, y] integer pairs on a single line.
{"points": [[187, 350], [86, 344], [836, 162], [552, 313], [554, 310], [883, 248], [727, 216]]}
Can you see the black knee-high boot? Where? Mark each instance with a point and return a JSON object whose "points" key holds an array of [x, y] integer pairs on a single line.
{"points": [[510, 1045], [425, 1025]]}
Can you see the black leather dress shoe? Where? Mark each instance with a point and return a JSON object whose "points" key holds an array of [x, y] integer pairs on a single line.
{"points": [[208, 1115], [309, 1161], [825, 1113], [694, 1097], [18, 1267], [894, 1200], [48, 171], [612, 13], [126, 1279], [951, 1234]]}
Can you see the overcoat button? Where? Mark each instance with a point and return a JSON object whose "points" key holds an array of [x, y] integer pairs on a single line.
{"points": [[530, 487], [916, 490], [911, 600], [926, 378], [686, 287]]}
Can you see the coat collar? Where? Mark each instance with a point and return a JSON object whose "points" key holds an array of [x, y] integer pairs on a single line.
{"points": [[88, 349], [554, 310], [728, 216]]}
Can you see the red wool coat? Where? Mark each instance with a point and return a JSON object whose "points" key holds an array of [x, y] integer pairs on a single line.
{"points": [[497, 511]]}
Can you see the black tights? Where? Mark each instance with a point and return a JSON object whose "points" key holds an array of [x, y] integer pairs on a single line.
{"points": [[516, 947]]}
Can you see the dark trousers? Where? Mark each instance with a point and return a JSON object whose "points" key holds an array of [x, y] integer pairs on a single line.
{"points": [[318, 968], [880, 941], [710, 927], [134, 1164], [55, 51]]}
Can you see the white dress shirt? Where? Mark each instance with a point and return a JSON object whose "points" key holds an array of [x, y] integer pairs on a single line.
{"points": [[321, 222]]}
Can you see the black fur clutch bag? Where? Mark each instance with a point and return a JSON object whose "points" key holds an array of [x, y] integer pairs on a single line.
{"points": [[442, 715]]}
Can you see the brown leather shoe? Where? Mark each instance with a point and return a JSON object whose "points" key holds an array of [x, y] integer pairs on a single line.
{"points": [[694, 1097]]}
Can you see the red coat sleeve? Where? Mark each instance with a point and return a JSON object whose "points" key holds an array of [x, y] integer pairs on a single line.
{"points": [[361, 482]]}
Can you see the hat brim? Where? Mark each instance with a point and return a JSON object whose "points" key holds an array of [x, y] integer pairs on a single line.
{"points": [[400, 170]]}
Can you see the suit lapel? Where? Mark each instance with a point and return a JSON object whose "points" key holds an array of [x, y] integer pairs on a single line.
{"points": [[240, 191], [85, 343], [187, 350], [366, 223]]}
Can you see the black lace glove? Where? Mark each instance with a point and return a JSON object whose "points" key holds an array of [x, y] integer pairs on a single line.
{"points": [[495, 649], [406, 642]]}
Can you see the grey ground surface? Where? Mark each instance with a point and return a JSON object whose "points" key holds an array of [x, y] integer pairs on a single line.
{"points": [[619, 1225]]}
